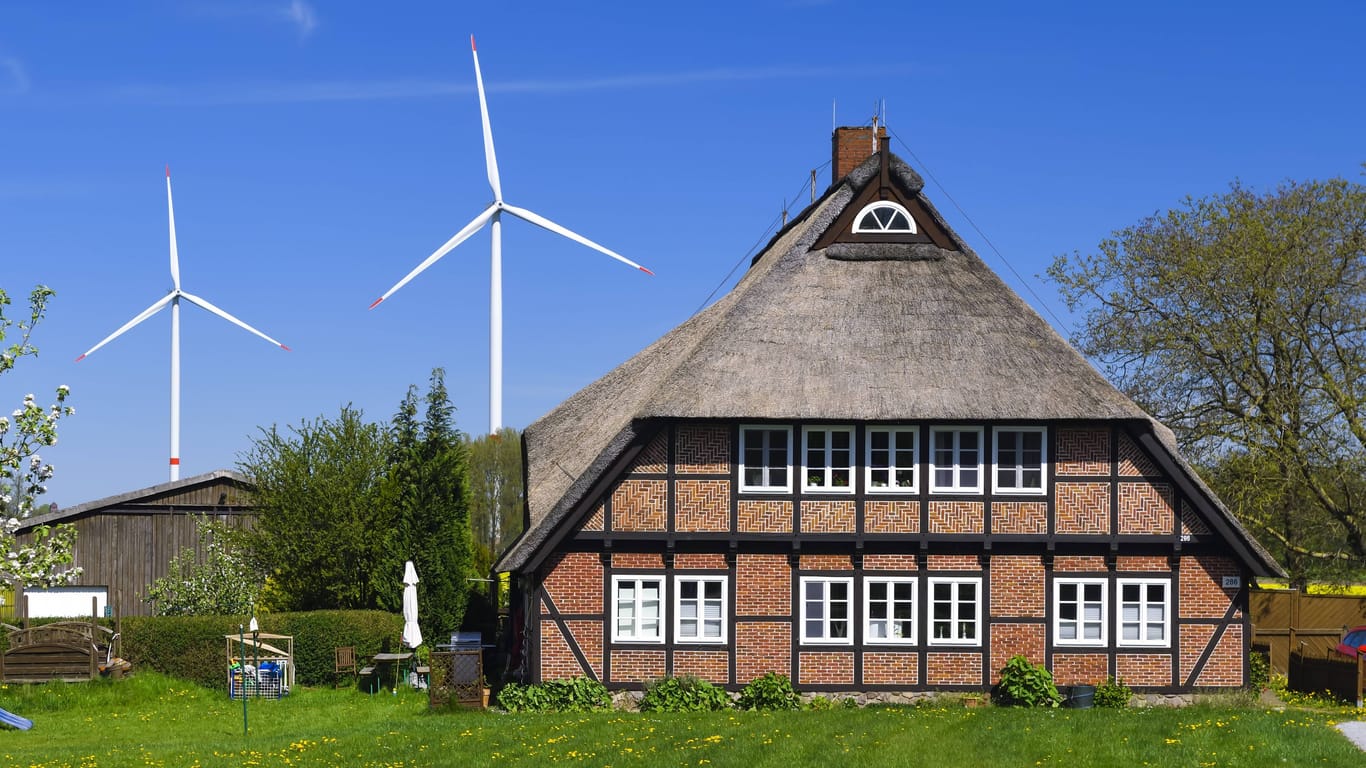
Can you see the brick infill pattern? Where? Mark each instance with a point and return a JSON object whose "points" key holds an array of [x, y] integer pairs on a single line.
{"points": [[1019, 517], [702, 505], [702, 450], [1009, 640], [762, 647], [764, 516], [956, 517], [638, 505], [574, 582], [1133, 462], [1146, 508], [1082, 507], [825, 668], [899, 516], [828, 516], [1017, 587], [1083, 451], [654, 460]]}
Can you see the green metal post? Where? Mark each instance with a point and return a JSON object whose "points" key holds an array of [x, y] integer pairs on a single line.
{"points": [[242, 664]]}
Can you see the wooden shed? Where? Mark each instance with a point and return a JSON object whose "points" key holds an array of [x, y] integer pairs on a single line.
{"points": [[125, 542]]}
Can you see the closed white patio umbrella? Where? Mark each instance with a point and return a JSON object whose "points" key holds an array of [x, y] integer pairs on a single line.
{"points": [[412, 634]]}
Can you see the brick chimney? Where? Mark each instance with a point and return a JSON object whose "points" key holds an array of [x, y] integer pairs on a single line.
{"points": [[853, 145]]}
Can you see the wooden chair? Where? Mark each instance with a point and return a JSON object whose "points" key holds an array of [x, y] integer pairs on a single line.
{"points": [[346, 663]]}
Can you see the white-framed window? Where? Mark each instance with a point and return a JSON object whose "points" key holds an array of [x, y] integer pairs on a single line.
{"points": [[1021, 456], [955, 459], [955, 611], [1144, 611], [1079, 611], [889, 610], [884, 216], [827, 610], [700, 609], [766, 459], [828, 459], [893, 460], [638, 609]]}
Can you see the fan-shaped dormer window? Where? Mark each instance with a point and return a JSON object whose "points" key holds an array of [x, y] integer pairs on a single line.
{"points": [[884, 217]]}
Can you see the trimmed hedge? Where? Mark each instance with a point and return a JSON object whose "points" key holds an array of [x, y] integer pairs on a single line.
{"points": [[192, 647]]}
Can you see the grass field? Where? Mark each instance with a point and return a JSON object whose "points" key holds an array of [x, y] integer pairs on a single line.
{"points": [[151, 720]]}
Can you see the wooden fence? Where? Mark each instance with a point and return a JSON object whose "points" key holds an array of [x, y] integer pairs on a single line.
{"points": [[1286, 621]]}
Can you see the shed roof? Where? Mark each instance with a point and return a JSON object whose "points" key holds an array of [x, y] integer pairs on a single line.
{"points": [[144, 496]]}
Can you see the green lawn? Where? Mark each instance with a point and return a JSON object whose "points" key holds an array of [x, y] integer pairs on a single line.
{"points": [[151, 720]]}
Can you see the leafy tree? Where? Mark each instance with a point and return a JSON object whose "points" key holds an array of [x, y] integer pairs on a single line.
{"points": [[427, 489], [223, 582], [23, 473], [495, 495], [322, 530], [1240, 321]]}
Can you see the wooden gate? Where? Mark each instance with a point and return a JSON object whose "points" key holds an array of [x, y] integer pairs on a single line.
{"points": [[1285, 621]]}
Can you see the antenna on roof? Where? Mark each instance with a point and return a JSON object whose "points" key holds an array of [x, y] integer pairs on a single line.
{"points": [[813, 184], [784, 212], [834, 121]]}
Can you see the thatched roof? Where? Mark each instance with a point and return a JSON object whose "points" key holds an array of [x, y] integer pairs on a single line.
{"points": [[854, 331]]}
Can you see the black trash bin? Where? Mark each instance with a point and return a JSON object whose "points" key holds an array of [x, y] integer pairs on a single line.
{"points": [[1080, 697]]}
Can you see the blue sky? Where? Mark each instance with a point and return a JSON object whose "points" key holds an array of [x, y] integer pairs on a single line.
{"points": [[320, 151]]}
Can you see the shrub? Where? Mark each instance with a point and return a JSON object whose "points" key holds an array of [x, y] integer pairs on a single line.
{"points": [[1113, 693], [1026, 685], [769, 692], [683, 694], [579, 694], [1259, 677], [194, 648]]}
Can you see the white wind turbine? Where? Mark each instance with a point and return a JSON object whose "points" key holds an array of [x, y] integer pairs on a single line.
{"points": [[173, 298], [494, 214]]}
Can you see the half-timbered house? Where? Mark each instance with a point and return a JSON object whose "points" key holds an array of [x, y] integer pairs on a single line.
{"points": [[872, 467]]}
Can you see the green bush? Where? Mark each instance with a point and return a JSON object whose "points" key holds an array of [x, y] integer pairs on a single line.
{"points": [[769, 692], [1026, 685], [1259, 677], [194, 647], [683, 694], [578, 694], [1113, 693]]}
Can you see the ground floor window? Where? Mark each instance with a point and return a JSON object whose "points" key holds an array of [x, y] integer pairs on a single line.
{"points": [[637, 609], [701, 609], [826, 614], [1143, 611], [1079, 611], [889, 608], [955, 611]]}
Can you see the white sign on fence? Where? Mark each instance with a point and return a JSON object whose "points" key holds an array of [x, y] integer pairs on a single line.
{"points": [[65, 602]]}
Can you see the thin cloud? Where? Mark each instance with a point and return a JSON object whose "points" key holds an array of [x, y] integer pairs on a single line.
{"points": [[13, 78], [397, 90], [302, 15]]}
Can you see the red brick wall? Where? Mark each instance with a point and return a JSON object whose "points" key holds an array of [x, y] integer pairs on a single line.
{"points": [[685, 561], [1083, 451], [1225, 665], [702, 505], [828, 516], [825, 668], [1146, 508], [1144, 669], [702, 450], [1194, 639], [1079, 564], [1141, 564], [764, 516], [588, 636], [953, 668], [636, 561], [957, 517], [851, 147], [1009, 640], [890, 563], [953, 563], [637, 666], [891, 668], [767, 585], [899, 516], [1019, 517], [1017, 586], [1080, 668], [712, 666], [557, 661], [762, 647], [638, 505], [1082, 507], [826, 563], [1202, 593], [574, 582]]}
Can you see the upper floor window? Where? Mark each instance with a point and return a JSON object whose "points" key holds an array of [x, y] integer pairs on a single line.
{"points": [[1021, 453], [701, 609], [1079, 611], [638, 609], [956, 460], [893, 459], [826, 610], [884, 216], [829, 459], [1143, 611], [766, 459], [889, 610]]}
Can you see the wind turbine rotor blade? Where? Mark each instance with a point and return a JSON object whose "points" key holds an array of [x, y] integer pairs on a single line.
{"points": [[156, 307], [460, 237], [205, 304], [170, 214], [545, 223], [490, 159]]}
